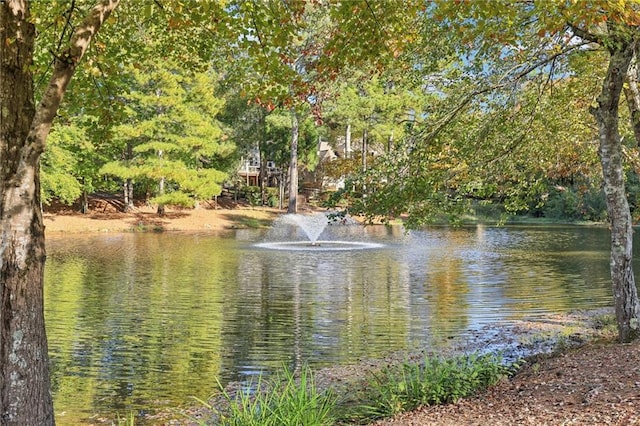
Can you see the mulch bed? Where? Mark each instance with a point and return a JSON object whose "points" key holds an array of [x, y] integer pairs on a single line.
{"points": [[597, 384]]}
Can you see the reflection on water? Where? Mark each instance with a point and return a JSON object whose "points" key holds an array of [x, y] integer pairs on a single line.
{"points": [[142, 321]]}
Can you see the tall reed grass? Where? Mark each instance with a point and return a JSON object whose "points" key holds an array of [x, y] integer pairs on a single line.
{"points": [[287, 401], [295, 400]]}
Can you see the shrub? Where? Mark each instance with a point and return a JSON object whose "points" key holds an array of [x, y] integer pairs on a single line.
{"points": [[287, 402], [272, 197], [436, 381], [576, 204], [252, 194]]}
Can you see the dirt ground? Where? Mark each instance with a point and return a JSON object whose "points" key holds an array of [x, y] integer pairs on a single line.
{"points": [[598, 384], [105, 215]]}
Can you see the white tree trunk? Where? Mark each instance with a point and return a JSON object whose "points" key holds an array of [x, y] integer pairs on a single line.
{"points": [[293, 166], [624, 288], [347, 142]]}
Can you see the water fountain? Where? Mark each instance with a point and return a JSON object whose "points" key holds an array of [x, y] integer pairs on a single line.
{"points": [[302, 232]]}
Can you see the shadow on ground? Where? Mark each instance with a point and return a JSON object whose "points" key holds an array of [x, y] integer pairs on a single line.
{"points": [[240, 221]]}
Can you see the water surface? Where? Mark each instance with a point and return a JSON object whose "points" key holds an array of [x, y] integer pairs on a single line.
{"points": [[145, 321]]}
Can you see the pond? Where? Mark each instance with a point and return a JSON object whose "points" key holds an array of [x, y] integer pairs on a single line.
{"points": [[140, 322]]}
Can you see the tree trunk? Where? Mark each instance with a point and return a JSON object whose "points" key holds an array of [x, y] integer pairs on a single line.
{"points": [[128, 183], [24, 393], [161, 210], [632, 93], [281, 191], [347, 142], [84, 208], [365, 148], [127, 189], [25, 397], [262, 179], [293, 166], [625, 294]]}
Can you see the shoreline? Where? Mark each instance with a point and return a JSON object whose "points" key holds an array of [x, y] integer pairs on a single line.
{"points": [[524, 339], [145, 219], [563, 335]]}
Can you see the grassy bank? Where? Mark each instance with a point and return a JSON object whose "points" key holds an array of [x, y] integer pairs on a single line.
{"points": [[288, 399]]}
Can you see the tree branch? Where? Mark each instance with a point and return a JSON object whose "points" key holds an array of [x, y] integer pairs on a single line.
{"points": [[500, 85], [64, 69], [585, 35]]}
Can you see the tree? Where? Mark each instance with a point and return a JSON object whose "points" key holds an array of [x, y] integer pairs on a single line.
{"points": [[25, 397], [186, 31], [379, 109], [620, 43], [70, 164], [560, 28], [505, 47], [294, 51], [278, 46], [171, 136]]}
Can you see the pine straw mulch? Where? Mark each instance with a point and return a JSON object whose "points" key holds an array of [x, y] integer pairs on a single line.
{"points": [[596, 384]]}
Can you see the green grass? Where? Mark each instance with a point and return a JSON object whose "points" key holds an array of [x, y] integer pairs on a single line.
{"points": [[240, 221], [605, 323], [130, 420], [435, 381], [288, 401], [291, 401]]}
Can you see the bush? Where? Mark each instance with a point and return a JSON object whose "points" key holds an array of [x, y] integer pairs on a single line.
{"points": [[273, 197], [288, 402], [291, 401], [573, 204], [436, 381], [252, 194]]}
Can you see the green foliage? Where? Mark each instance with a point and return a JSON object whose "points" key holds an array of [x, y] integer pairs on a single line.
{"points": [[173, 199], [604, 322], [437, 381], [129, 420], [55, 182], [171, 134], [289, 401], [381, 107], [69, 165], [278, 133], [286, 399], [508, 147], [272, 197], [572, 204], [252, 194]]}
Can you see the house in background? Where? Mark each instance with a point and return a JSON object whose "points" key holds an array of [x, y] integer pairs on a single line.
{"points": [[312, 183], [326, 152], [249, 170]]}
